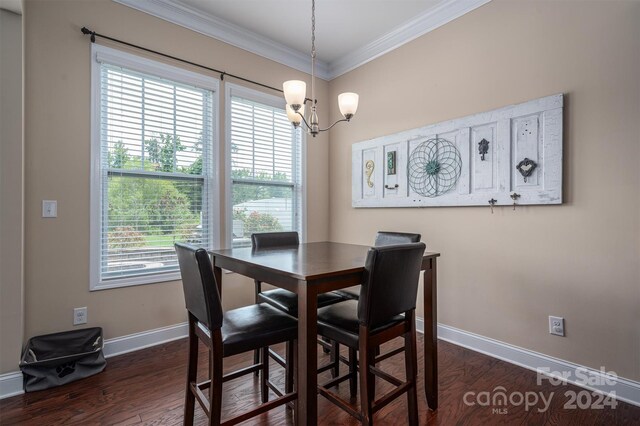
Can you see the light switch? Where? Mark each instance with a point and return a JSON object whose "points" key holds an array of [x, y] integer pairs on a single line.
{"points": [[49, 208]]}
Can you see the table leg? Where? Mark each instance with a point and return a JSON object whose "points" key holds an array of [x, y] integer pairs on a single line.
{"points": [[307, 404], [217, 273], [431, 335]]}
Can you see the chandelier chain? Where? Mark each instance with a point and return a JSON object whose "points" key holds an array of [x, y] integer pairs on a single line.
{"points": [[348, 102], [313, 52], [313, 28]]}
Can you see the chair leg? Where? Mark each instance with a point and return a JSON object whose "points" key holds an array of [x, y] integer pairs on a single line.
{"points": [[411, 366], [335, 359], [326, 340], [294, 362], [353, 372], [289, 369], [376, 352], [192, 371], [215, 391], [264, 389], [210, 364], [256, 353], [367, 392], [256, 360]]}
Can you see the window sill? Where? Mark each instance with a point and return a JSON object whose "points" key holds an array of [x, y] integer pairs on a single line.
{"points": [[135, 281]]}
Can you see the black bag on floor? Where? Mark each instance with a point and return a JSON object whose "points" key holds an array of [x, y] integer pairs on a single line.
{"points": [[60, 358]]}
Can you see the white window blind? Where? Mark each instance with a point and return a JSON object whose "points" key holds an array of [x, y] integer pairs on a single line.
{"points": [[266, 170], [156, 168]]}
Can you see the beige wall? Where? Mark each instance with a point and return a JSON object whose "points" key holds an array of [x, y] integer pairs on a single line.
{"points": [[57, 105], [580, 260], [501, 275], [11, 209]]}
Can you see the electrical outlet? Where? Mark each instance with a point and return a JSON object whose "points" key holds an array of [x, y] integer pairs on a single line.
{"points": [[556, 326], [79, 316]]}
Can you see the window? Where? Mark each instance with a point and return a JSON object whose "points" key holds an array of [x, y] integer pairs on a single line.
{"points": [[265, 167], [152, 169]]}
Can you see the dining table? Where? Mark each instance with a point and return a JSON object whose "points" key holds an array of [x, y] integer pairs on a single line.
{"points": [[309, 269]]}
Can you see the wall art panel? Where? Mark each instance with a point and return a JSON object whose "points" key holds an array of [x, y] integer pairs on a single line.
{"points": [[511, 154]]}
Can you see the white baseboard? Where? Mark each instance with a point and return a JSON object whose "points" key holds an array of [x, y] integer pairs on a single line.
{"points": [[623, 389], [145, 339], [11, 384], [420, 325]]}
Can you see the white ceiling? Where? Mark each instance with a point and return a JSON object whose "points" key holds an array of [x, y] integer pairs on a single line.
{"points": [[349, 33], [342, 26]]}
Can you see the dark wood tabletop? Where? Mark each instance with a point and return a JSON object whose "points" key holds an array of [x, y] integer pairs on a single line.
{"points": [[312, 268], [304, 262]]}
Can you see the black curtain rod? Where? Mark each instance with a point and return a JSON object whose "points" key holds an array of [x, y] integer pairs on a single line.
{"points": [[94, 34]]}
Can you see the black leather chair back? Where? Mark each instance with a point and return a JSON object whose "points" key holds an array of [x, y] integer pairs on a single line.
{"points": [[274, 239], [200, 290], [390, 285], [384, 238]]}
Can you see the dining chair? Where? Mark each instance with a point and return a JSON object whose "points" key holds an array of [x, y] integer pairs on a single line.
{"points": [[385, 310], [226, 334], [383, 238], [286, 300]]}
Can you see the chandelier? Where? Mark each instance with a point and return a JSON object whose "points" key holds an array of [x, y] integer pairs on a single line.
{"points": [[295, 93]]}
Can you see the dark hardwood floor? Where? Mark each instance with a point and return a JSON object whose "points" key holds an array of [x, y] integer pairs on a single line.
{"points": [[147, 387]]}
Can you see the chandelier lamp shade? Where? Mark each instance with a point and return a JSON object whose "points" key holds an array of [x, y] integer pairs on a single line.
{"points": [[295, 94]]}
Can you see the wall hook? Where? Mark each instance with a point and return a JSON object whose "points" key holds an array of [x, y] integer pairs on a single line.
{"points": [[369, 166], [492, 202], [515, 197], [483, 148], [526, 168]]}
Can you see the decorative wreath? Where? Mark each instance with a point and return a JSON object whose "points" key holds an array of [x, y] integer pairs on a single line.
{"points": [[434, 167]]}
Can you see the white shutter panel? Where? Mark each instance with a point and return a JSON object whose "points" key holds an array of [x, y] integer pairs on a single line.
{"points": [[265, 170], [156, 161]]}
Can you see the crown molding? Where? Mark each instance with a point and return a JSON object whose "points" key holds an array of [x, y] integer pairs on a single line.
{"points": [[428, 21], [178, 13], [15, 6]]}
